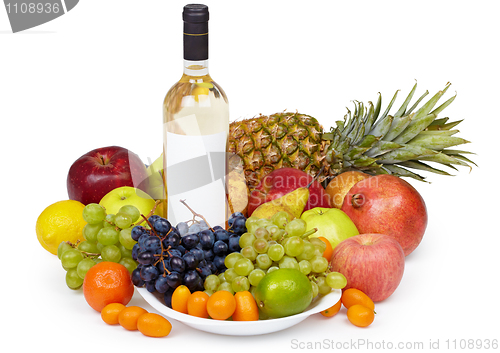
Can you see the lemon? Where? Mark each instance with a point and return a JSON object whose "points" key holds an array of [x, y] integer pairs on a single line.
{"points": [[61, 221], [283, 292]]}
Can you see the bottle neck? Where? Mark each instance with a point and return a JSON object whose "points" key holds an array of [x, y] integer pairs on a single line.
{"points": [[196, 67], [196, 41]]}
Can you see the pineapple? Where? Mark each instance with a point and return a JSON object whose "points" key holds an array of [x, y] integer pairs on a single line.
{"points": [[365, 140]]}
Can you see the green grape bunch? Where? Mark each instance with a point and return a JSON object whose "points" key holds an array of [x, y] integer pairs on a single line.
{"points": [[272, 244], [107, 238]]}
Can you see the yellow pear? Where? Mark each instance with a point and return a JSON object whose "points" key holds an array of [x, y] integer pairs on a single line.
{"points": [[293, 203]]}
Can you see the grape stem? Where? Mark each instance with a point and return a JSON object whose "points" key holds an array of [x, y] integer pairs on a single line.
{"points": [[314, 276], [149, 214], [149, 223], [195, 214], [309, 232], [305, 235], [160, 256], [109, 222], [85, 253], [90, 254]]}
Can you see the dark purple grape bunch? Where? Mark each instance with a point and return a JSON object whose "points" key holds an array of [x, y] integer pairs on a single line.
{"points": [[169, 256]]}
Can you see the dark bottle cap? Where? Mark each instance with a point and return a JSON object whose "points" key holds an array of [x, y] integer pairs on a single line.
{"points": [[195, 13], [195, 18]]}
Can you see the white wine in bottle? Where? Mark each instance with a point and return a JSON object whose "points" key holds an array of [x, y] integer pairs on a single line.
{"points": [[195, 128]]}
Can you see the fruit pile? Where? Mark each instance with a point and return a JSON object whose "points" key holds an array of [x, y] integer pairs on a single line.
{"points": [[313, 212], [279, 242], [169, 256]]}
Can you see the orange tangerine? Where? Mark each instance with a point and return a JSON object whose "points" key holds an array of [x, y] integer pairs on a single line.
{"points": [[327, 254], [246, 307], [110, 312], [360, 315], [128, 317], [354, 296], [197, 304], [221, 305], [106, 283], [153, 325], [180, 298], [333, 310]]}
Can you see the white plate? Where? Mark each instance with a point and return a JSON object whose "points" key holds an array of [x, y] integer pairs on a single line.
{"points": [[241, 328]]}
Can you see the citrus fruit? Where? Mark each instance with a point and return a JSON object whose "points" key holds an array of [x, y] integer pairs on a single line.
{"points": [[354, 296], [59, 222], [333, 310], [197, 304], [106, 283], [180, 298], [246, 307], [153, 325], [327, 254], [360, 315], [109, 314], [129, 317], [283, 292], [221, 305]]}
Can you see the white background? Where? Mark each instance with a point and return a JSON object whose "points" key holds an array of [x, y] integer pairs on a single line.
{"points": [[98, 75]]}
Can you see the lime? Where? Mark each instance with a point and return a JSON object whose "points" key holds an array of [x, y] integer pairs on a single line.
{"points": [[283, 292], [61, 221]]}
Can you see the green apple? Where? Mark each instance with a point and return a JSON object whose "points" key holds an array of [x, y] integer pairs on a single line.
{"points": [[331, 223], [127, 195], [155, 177]]}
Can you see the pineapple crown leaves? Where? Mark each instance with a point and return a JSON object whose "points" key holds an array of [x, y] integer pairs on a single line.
{"points": [[381, 143]]}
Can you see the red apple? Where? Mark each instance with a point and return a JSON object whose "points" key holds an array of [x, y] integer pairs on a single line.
{"points": [[101, 170], [372, 263], [282, 181], [387, 204]]}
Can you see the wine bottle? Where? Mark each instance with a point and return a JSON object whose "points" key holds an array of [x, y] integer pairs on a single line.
{"points": [[196, 128]]}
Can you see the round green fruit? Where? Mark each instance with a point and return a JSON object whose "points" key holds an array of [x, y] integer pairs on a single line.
{"points": [[283, 292], [331, 223], [117, 198]]}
